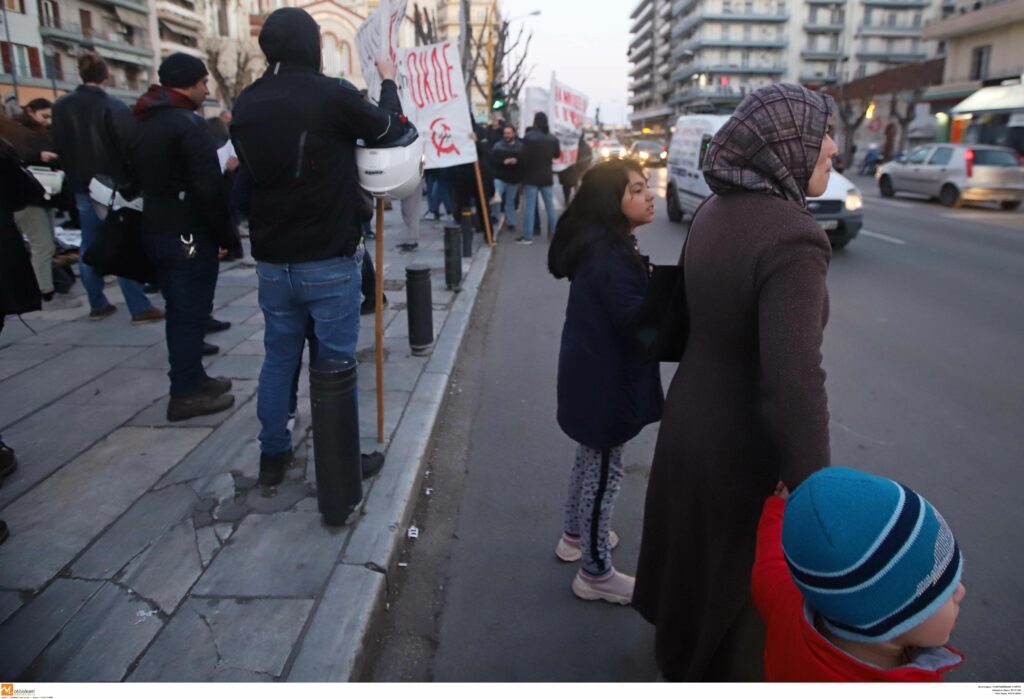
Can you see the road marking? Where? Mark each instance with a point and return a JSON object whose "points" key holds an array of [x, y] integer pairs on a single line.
{"points": [[889, 202], [880, 236]]}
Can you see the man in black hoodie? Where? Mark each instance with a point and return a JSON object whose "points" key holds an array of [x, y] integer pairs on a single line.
{"points": [[295, 132], [185, 220]]}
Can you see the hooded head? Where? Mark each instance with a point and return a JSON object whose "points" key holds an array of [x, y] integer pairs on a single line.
{"points": [[771, 143], [291, 35], [540, 122]]}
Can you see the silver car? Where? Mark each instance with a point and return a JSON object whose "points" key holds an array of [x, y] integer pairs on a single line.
{"points": [[956, 173]]}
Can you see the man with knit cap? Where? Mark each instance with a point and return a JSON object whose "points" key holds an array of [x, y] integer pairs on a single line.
{"points": [[295, 132], [185, 221], [857, 578]]}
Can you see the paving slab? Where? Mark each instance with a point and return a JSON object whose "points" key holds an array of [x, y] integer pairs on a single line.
{"points": [[236, 315], [236, 366], [102, 483], [156, 414], [15, 331], [134, 387], [394, 408], [228, 446], [232, 294], [27, 392], [289, 554], [208, 543], [333, 643], [398, 376], [10, 602], [145, 522], [105, 333], [27, 633], [165, 571], [101, 642]]}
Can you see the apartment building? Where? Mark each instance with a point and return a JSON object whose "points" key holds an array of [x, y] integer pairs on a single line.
{"points": [[449, 27], [46, 37], [723, 49], [181, 27], [650, 52]]}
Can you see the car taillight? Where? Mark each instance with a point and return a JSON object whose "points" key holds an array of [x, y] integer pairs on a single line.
{"points": [[969, 158]]}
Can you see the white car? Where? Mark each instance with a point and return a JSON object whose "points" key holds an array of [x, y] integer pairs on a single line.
{"points": [[838, 210], [611, 149]]}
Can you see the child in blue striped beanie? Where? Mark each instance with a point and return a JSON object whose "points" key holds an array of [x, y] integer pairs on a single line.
{"points": [[857, 578]]}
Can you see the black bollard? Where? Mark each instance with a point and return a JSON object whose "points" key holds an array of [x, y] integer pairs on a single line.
{"points": [[453, 257], [332, 393], [420, 307], [467, 233]]}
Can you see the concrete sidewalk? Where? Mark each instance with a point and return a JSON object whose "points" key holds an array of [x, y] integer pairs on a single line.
{"points": [[145, 551]]}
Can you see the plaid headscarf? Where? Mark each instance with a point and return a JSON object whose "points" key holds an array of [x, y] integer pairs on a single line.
{"points": [[771, 143]]}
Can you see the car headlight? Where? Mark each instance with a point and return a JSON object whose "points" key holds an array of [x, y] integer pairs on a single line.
{"points": [[644, 155], [623, 152], [605, 152], [664, 155], [854, 201]]}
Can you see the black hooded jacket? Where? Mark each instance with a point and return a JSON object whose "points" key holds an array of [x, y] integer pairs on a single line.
{"points": [[295, 132], [88, 130], [174, 159]]}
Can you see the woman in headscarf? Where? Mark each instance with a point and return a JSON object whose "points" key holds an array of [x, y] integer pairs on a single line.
{"points": [[747, 406]]}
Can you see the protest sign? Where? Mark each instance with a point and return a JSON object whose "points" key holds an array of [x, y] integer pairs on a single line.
{"points": [[535, 99], [435, 101], [377, 37], [566, 111]]}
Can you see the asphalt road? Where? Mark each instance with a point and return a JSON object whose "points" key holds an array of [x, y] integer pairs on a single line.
{"points": [[927, 322]]}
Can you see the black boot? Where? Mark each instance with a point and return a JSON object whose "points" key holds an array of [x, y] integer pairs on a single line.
{"points": [[371, 464], [8, 462], [216, 385], [215, 326], [179, 409], [273, 466], [210, 350], [4, 532]]}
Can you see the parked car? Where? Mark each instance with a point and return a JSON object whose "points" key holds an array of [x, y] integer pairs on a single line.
{"points": [[956, 173], [838, 210], [611, 149], [649, 153]]}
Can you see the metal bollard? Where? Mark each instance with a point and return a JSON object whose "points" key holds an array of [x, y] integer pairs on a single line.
{"points": [[467, 233], [335, 403], [420, 307], [453, 257]]}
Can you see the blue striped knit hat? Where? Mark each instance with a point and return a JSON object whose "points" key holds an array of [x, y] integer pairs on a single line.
{"points": [[870, 555]]}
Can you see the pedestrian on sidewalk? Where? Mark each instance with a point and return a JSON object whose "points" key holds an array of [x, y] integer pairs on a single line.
{"points": [[857, 579], [89, 131], [747, 406], [185, 221], [540, 148], [506, 162], [295, 132], [608, 390]]}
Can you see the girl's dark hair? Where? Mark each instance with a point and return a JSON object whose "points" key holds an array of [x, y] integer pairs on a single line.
{"points": [[540, 122], [38, 104], [594, 220], [92, 68]]}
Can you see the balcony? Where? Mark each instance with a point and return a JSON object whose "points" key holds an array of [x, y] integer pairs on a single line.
{"points": [[824, 27], [884, 30], [891, 57], [188, 20], [817, 80], [694, 20], [996, 14], [137, 47], [686, 71], [681, 7], [643, 36], [696, 44], [658, 112], [127, 4], [640, 7], [826, 2], [645, 18], [810, 54], [717, 94], [644, 66], [642, 84], [898, 4], [644, 49]]}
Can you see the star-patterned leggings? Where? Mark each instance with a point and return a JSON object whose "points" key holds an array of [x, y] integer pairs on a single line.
{"points": [[595, 481]]}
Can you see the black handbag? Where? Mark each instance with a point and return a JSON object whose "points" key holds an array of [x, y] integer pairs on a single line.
{"points": [[118, 246], [663, 323]]}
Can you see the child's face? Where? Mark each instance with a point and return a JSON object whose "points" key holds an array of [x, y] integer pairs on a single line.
{"points": [[935, 630], [638, 200]]}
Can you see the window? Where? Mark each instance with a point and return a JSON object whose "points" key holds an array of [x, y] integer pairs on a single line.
{"points": [[727, 7], [745, 59], [86, 21], [726, 28], [991, 156], [862, 70], [941, 156], [814, 15], [919, 155], [867, 16], [748, 7], [979, 62], [890, 19], [746, 32], [780, 9], [21, 60], [51, 13], [15, 6], [917, 19], [834, 43]]}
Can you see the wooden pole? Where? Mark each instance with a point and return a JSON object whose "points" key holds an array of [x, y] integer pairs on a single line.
{"points": [[379, 303], [484, 204]]}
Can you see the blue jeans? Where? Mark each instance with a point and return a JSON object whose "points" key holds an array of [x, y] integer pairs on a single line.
{"points": [[506, 191], [187, 286], [438, 192], [93, 283], [530, 209], [327, 291]]}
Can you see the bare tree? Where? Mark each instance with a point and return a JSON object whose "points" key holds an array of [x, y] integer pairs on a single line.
{"points": [[233, 64], [851, 114], [425, 25], [906, 117], [508, 59]]}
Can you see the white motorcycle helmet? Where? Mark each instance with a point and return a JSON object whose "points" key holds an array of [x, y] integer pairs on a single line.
{"points": [[394, 170]]}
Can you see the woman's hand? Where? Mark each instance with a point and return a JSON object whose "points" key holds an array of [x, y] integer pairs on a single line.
{"points": [[782, 491], [388, 69]]}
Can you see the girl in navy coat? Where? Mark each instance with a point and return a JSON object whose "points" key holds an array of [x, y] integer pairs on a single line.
{"points": [[607, 389]]}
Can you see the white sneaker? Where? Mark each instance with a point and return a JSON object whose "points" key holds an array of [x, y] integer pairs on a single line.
{"points": [[614, 587], [569, 550], [60, 302]]}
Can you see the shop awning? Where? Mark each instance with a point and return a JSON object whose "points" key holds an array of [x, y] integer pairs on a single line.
{"points": [[998, 98], [132, 18], [124, 56]]}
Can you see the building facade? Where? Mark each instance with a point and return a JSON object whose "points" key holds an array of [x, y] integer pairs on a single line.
{"points": [[720, 50], [449, 28]]}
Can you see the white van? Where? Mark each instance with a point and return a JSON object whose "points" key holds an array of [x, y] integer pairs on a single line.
{"points": [[838, 210]]}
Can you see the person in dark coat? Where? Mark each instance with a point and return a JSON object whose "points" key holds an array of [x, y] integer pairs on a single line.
{"points": [[89, 130], [608, 390], [295, 131], [569, 178], [185, 221], [540, 148], [747, 406], [507, 165]]}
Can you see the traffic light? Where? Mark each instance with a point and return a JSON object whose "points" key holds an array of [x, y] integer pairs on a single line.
{"points": [[497, 96]]}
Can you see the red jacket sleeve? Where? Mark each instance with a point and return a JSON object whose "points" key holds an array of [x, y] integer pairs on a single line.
{"points": [[770, 581]]}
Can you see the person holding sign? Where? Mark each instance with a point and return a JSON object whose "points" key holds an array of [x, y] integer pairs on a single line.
{"points": [[540, 148], [295, 132]]}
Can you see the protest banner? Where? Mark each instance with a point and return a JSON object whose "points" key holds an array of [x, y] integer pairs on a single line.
{"points": [[377, 37], [567, 109], [434, 100], [535, 99]]}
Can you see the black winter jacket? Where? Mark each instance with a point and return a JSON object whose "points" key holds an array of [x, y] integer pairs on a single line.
{"points": [[501, 152], [89, 128], [295, 132], [174, 160], [19, 291], [607, 388], [539, 149]]}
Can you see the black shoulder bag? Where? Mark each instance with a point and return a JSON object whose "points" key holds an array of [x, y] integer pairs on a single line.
{"points": [[118, 246], [663, 323]]}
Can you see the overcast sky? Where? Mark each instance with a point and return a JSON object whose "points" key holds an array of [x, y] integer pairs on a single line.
{"points": [[585, 43]]}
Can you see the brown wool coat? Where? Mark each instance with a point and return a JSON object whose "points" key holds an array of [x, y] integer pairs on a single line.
{"points": [[746, 408]]}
